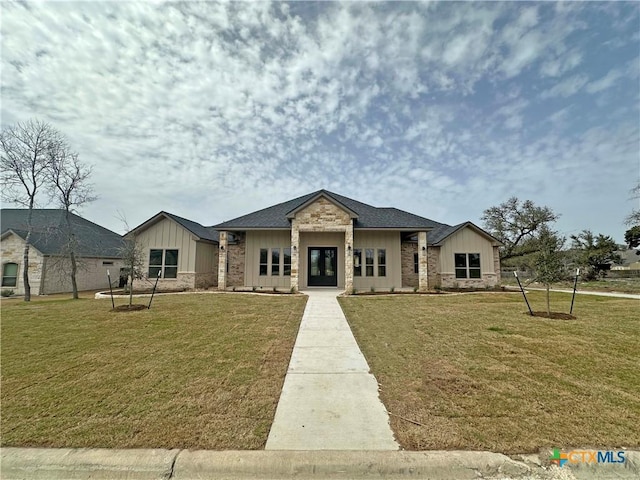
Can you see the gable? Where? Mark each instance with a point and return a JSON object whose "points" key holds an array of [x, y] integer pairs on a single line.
{"points": [[322, 213], [162, 232], [194, 228], [13, 247]]}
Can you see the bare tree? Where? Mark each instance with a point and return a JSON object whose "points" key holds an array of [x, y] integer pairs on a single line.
{"points": [[24, 162], [70, 187]]}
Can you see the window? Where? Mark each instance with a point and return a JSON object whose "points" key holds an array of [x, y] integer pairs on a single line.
{"points": [[382, 262], [264, 255], [10, 275], [107, 263], [369, 262], [275, 262], [168, 267], [170, 264], [155, 263], [357, 262], [416, 265], [286, 254], [467, 265]]}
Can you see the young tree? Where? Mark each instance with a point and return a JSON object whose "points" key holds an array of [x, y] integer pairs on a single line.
{"points": [[517, 224], [70, 188], [595, 253], [24, 163], [548, 263], [133, 257]]}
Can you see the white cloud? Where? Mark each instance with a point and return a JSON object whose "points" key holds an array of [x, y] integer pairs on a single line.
{"points": [[567, 87], [214, 109]]}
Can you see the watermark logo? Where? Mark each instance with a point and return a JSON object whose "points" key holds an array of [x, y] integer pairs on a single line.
{"points": [[558, 458], [586, 456]]}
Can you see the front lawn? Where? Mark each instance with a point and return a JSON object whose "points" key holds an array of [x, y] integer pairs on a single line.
{"points": [[475, 372], [201, 371]]}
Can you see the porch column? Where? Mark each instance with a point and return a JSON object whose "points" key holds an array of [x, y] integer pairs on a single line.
{"points": [[348, 259], [222, 261], [423, 280], [295, 255]]}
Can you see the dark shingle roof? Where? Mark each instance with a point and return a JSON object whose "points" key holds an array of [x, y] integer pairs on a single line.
{"points": [[367, 215], [205, 233], [49, 232], [437, 235]]}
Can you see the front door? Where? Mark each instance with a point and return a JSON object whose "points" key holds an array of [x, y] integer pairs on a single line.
{"points": [[323, 268]]}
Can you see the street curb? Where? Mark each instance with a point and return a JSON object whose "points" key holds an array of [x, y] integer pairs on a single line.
{"points": [[84, 463], [162, 464]]}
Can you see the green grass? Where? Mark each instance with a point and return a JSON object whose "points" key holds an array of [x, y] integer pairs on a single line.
{"points": [[478, 373], [195, 371]]}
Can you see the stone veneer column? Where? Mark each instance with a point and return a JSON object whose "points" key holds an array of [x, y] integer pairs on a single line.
{"points": [[295, 255], [222, 261], [423, 279], [348, 258]]}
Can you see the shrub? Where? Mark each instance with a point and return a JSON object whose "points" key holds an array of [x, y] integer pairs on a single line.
{"points": [[354, 291], [393, 289], [373, 289], [6, 292], [275, 289], [253, 289], [415, 289], [293, 290]]}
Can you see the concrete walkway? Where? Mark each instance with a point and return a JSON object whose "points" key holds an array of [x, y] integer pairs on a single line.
{"points": [[329, 400]]}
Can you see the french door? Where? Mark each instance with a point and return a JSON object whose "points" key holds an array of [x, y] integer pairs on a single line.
{"points": [[323, 267]]}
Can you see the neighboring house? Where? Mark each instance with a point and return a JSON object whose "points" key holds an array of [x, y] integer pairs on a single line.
{"points": [[629, 260], [49, 265], [326, 239], [184, 252]]}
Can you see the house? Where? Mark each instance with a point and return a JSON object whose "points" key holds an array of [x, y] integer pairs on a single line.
{"points": [[327, 240], [184, 252], [49, 266], [630, 260]]}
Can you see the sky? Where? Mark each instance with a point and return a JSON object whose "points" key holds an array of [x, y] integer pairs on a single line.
{"points": [[212, 110]]}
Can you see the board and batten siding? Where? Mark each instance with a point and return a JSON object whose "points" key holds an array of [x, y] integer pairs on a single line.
{"points": [[265, 239], [466, 241], [206, 257], [390, 241], [167, 234]]}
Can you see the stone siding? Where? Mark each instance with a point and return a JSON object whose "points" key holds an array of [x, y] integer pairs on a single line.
{"points": [[423, 268], [450, 281], [206, 280], [236, 255], [407, 252], [433, 262], [222, 261], [322, 216], [496, 264], [12, 249]]}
